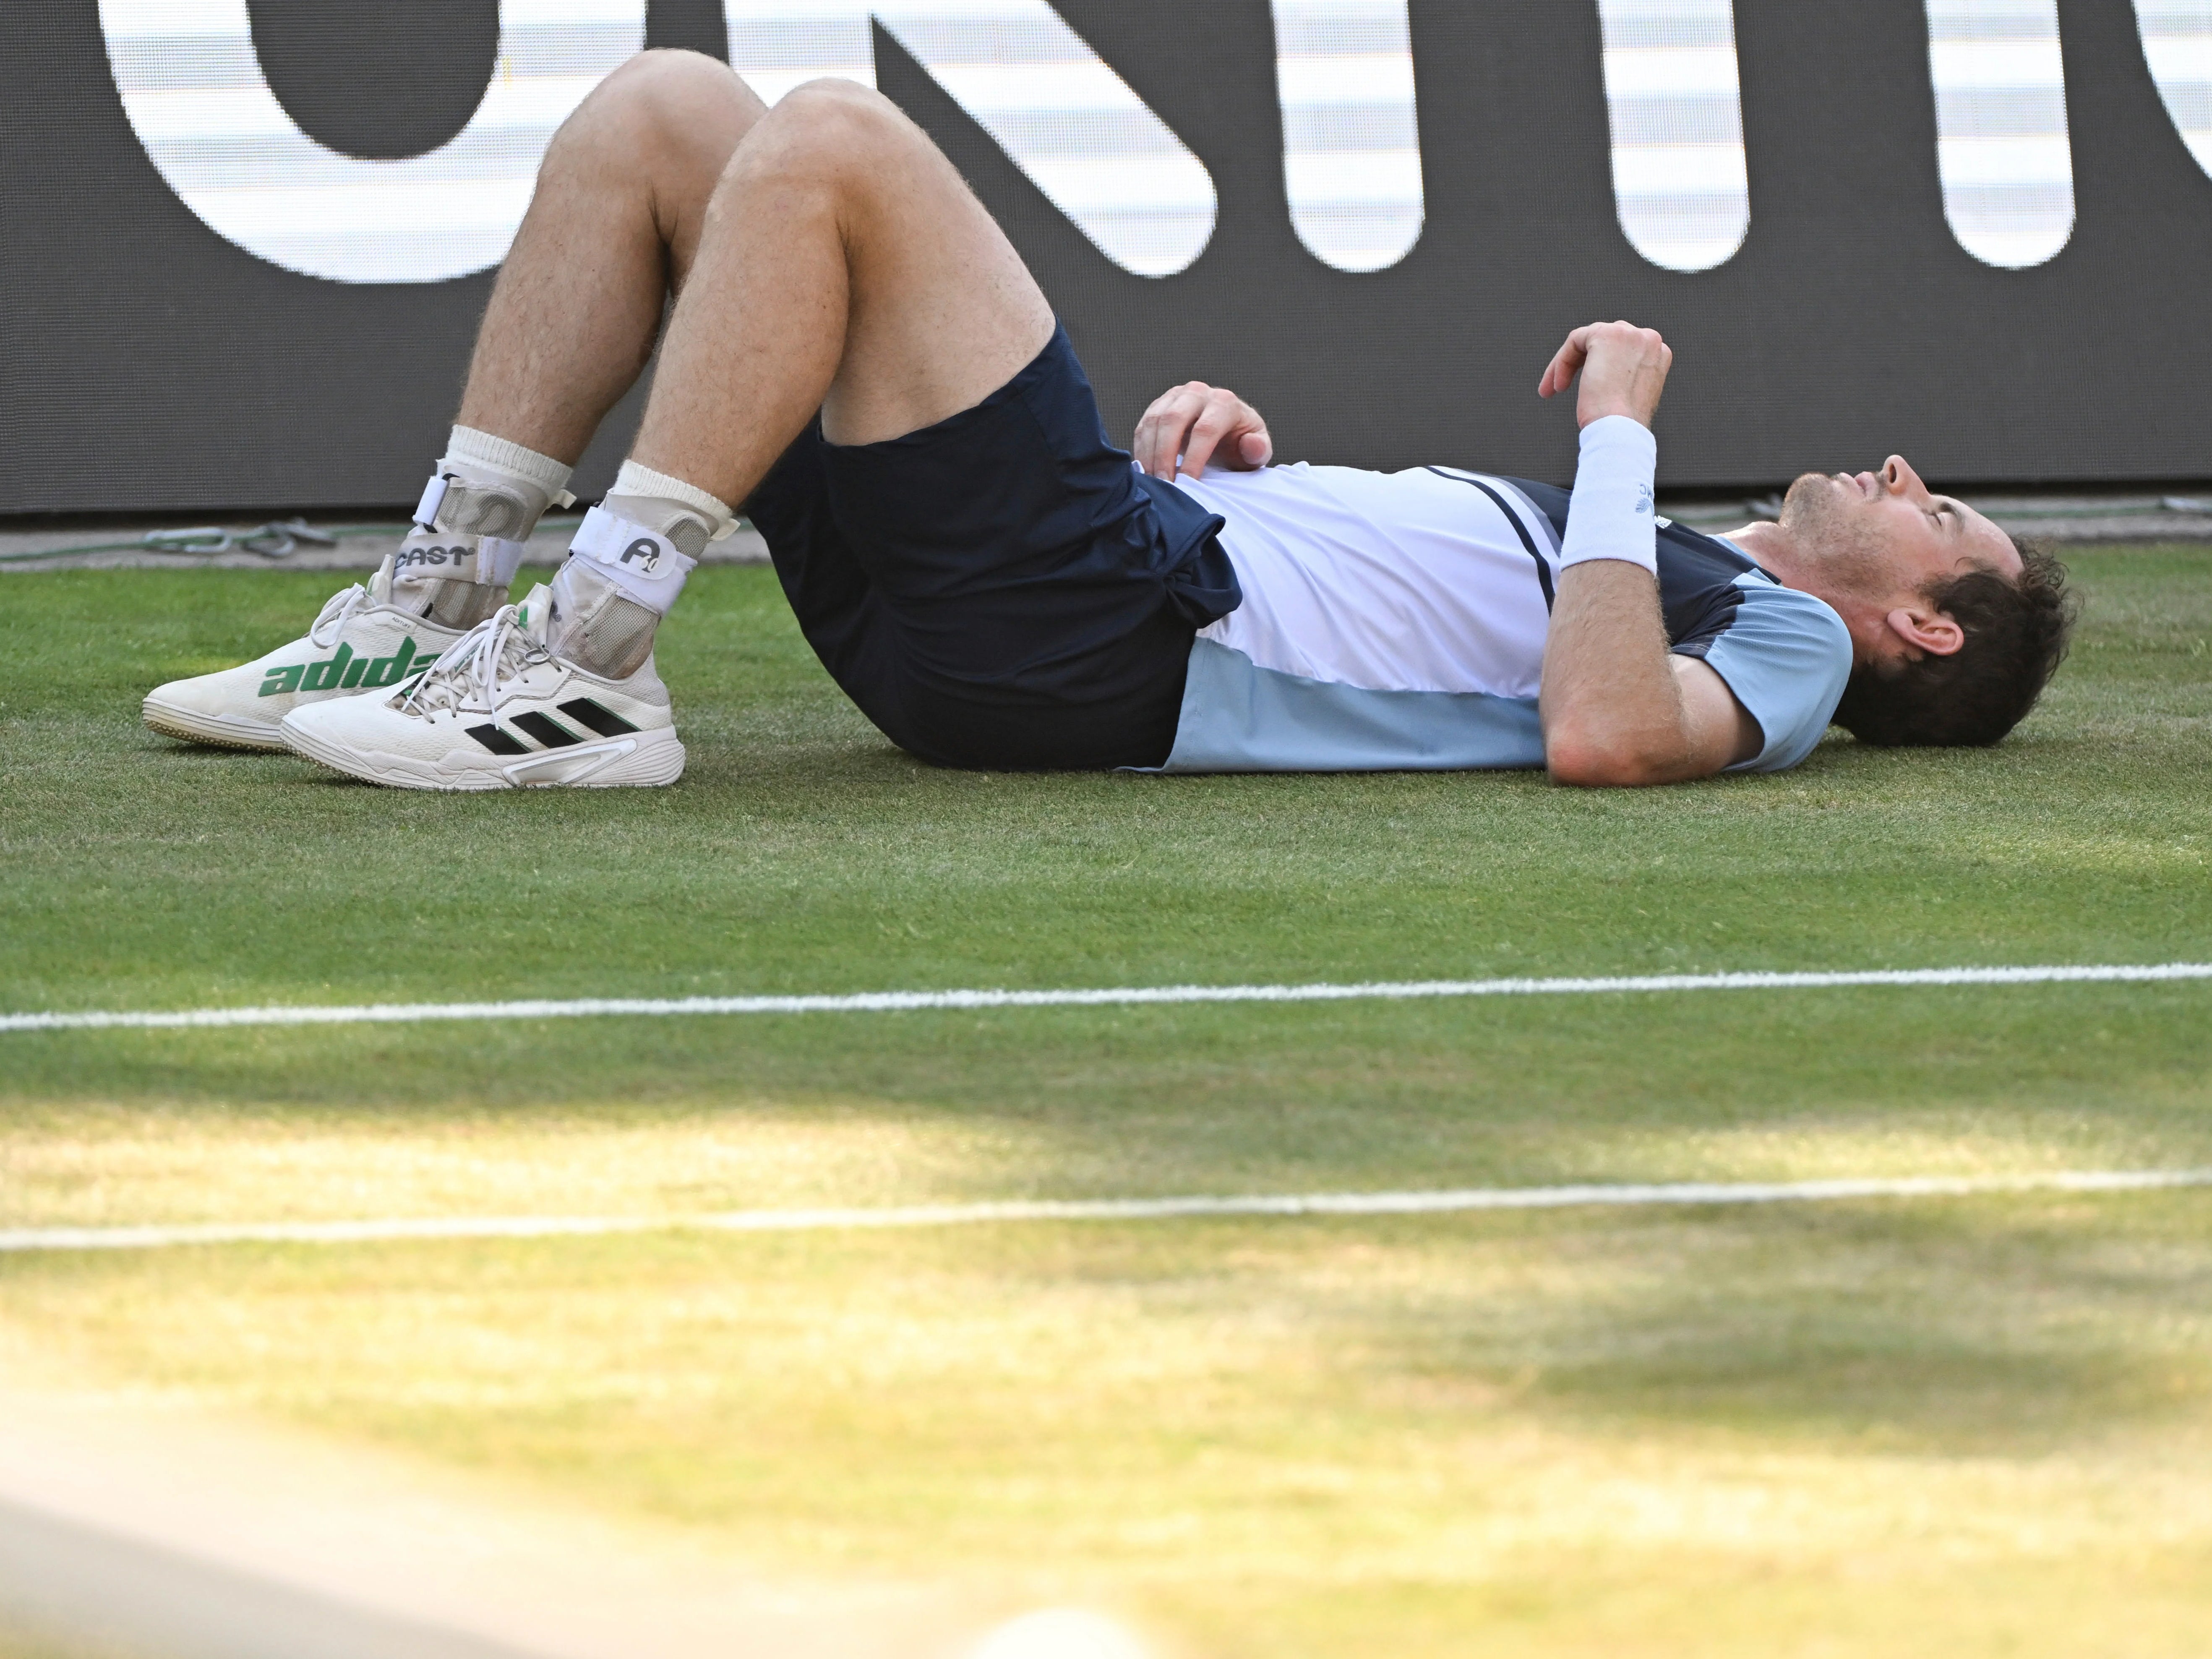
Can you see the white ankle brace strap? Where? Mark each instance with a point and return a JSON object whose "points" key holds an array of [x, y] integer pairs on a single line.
{"points": [[644, 563], [434, 555]]}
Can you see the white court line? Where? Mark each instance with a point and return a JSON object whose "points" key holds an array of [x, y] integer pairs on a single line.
{"points": [[909, 1001], [22, 1239]]}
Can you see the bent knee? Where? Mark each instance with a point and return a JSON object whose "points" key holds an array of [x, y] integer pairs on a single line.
{"points": [[668, 99], [829, 94], [836, 119], [671, 69]]}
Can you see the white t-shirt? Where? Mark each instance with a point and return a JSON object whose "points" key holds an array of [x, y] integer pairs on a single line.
{"points": [[1397, 620], [1389, 581]]}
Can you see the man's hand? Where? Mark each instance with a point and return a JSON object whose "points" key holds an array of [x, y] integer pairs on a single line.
{"points": [[1196, 423], [1623, 367]]}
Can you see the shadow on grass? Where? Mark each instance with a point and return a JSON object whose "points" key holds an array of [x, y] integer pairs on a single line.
{"points": [[2017, 1327]]}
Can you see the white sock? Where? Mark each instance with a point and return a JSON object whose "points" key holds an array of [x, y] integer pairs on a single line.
{"points": [[467, 444], [668, 507]]}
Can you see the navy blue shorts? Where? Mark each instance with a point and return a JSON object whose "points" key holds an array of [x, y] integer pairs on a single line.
{"points": [[1002, 590]]}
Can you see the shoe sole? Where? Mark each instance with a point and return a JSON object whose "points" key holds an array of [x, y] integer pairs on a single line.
{"points": [[649, 760], [225, 732]]}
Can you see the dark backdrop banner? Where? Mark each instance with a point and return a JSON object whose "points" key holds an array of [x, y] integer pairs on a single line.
{"points": [[1468, 180]]}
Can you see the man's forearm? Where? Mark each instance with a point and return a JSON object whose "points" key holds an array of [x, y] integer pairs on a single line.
{"points": [[1612, 707], [1618, 708]]}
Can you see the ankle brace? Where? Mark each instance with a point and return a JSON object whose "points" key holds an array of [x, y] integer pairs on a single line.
{"points": [[476, 514], [628, 564], [595, 625], [638, 555], [486, 486]]}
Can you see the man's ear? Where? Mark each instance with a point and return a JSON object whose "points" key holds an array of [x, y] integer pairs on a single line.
{"points": [[1932, 633]]}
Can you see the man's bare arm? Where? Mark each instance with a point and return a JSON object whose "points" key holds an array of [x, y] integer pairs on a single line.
{"points": [[1618, 708]]}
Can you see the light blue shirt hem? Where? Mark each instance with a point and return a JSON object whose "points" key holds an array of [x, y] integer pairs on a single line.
{"points": [[1239, 717]]}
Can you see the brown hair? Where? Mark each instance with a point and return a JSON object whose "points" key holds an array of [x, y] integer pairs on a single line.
{"points": [[2016, 637]]}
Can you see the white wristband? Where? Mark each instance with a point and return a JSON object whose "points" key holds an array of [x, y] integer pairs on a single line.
{"points": [[1612, 515]]}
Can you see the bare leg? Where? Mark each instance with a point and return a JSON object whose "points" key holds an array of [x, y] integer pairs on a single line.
{"points": [[827, 258], [615, 224], [845, 267]]}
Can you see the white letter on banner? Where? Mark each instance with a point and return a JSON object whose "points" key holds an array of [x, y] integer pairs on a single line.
{"points": [[195, 94], [2177, 43], [1067, 119], [1680, 186], [1352, 150], [2001, 139]]}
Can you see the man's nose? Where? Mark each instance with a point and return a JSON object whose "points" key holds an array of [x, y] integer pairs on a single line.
{"points": [[1898, 478]]}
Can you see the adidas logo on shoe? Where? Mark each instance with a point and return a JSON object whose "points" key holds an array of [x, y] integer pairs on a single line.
{"points": [[549, 732], [347, 672], [364, 641]]}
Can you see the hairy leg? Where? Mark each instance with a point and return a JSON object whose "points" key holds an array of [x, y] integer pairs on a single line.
{"points": [[845, 267], [615, 224]]}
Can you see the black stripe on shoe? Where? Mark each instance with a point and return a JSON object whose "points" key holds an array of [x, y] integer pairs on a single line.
{"points": [[497, 741], [597, 715], [547, 730]]}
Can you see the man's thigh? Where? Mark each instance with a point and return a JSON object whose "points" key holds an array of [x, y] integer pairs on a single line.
{"points": [[941, 311]]}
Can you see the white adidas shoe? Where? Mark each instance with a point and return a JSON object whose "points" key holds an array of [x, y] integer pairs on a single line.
{"points": [[361, 643], [500, 711]]}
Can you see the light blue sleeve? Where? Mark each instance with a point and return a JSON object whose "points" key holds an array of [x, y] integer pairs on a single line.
{"points": [[1786, 656]]}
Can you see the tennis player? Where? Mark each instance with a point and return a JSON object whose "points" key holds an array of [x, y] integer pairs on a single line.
{"points": [[859, 361]]}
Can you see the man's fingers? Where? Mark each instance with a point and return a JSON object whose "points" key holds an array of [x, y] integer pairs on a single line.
{"points": [[1167, 438], [1622, 370], [1159, 435], [1147, 443], [1163, 433], [1215, 419], [1249, 447], [1195, 423], [1168, 423], [1566, 363]]}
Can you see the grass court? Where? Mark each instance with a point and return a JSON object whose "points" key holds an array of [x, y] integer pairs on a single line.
{"points": [[1960, 1427]]}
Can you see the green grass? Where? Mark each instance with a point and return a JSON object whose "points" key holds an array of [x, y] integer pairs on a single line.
{"points": [[1968, 1427]]}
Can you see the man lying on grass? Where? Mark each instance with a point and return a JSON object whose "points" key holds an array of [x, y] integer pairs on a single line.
{"points": [[858, 356]]}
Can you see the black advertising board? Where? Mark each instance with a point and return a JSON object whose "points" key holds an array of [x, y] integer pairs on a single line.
{"points": [[1893, 227]]}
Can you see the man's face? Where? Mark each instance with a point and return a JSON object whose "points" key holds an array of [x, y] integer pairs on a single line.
{"points": [[1881, 538]]}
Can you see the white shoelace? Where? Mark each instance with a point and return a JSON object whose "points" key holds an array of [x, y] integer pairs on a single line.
{"points": [[470, 669], [338, 611]]}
